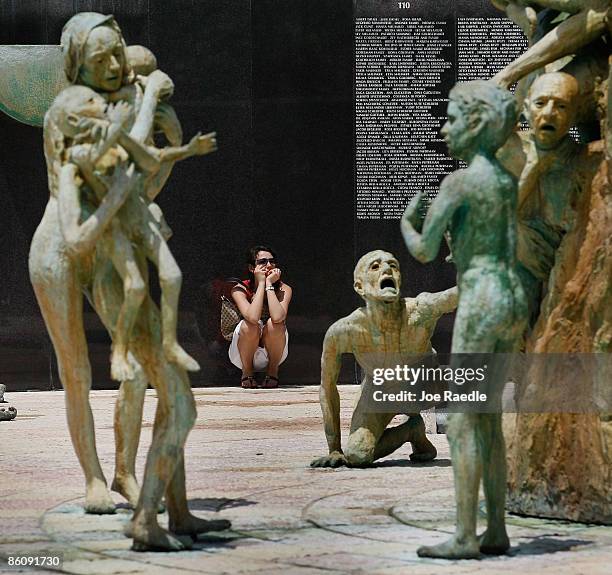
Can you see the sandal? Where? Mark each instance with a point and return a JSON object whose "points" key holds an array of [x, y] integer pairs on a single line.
{"points": [[270, 382], [248, 382]]}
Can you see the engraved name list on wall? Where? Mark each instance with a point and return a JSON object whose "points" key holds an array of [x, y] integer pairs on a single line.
{"points": [[400, 67]]}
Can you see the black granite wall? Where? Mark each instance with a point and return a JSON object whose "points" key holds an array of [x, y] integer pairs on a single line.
{"points": [[274, 78]]}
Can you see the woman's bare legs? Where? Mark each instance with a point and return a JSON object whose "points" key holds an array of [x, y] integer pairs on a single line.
{"points": [[247, 345], [273, 337]]}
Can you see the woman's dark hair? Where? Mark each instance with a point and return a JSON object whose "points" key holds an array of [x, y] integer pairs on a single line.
{"points": [[251, 256]]}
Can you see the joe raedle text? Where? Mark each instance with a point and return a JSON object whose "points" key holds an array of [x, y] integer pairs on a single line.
{"points": [[412, 396], [421, 384]]}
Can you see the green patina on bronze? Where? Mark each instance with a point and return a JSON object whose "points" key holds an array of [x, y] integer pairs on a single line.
{"points": [[478, 206], [67, 258], [30, 78]]}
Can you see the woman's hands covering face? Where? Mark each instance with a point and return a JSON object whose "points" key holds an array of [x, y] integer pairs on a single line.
{"points": [[260, 273], [273, 276]]}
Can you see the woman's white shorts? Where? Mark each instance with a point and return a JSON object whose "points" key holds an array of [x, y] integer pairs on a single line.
{"points": [[260, 359]]}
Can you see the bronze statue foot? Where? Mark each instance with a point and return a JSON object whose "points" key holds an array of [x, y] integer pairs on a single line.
{"points": [[98, 500], [128, 487], [494, 544], [335, 459], [176, 354], [160, 540], [121, 370], [193, 525], [423, 450], [451, 549]]}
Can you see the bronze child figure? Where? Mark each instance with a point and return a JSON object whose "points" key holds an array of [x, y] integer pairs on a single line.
{"points": [[478, 206], [96, 143]]}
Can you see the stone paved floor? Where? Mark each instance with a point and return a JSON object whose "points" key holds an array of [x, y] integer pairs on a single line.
{"points": [[247, 460]]}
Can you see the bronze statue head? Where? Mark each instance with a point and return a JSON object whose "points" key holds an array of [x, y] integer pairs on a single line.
{"points": [[551, 107], [94, 52], [481, 117], [377, 277]]}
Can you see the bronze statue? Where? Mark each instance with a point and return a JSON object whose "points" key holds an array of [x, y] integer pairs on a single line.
{"points": [[587, 21], [64, 262], [552, 169], [98, 146], [477, 205], [387, 324]]}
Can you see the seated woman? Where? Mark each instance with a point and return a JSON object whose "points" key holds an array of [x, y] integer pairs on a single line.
{"points": [[260, 340]]}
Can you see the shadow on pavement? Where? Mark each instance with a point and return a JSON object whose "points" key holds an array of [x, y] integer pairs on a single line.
{"points": [[217, 503], [408, 463], [544, 544]]}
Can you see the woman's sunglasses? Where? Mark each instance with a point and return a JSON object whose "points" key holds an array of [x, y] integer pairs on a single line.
{"points": [[265, 261]]}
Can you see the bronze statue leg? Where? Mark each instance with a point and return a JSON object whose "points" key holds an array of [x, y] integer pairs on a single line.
{"points": [[170, 281], [61, 304], [182, 522], [366, 430], [174, 418], [121, 253], [467, 466], [567, 38], [475, 439], [128, 420], [411, 431], [494, 541], [370, 438]]}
